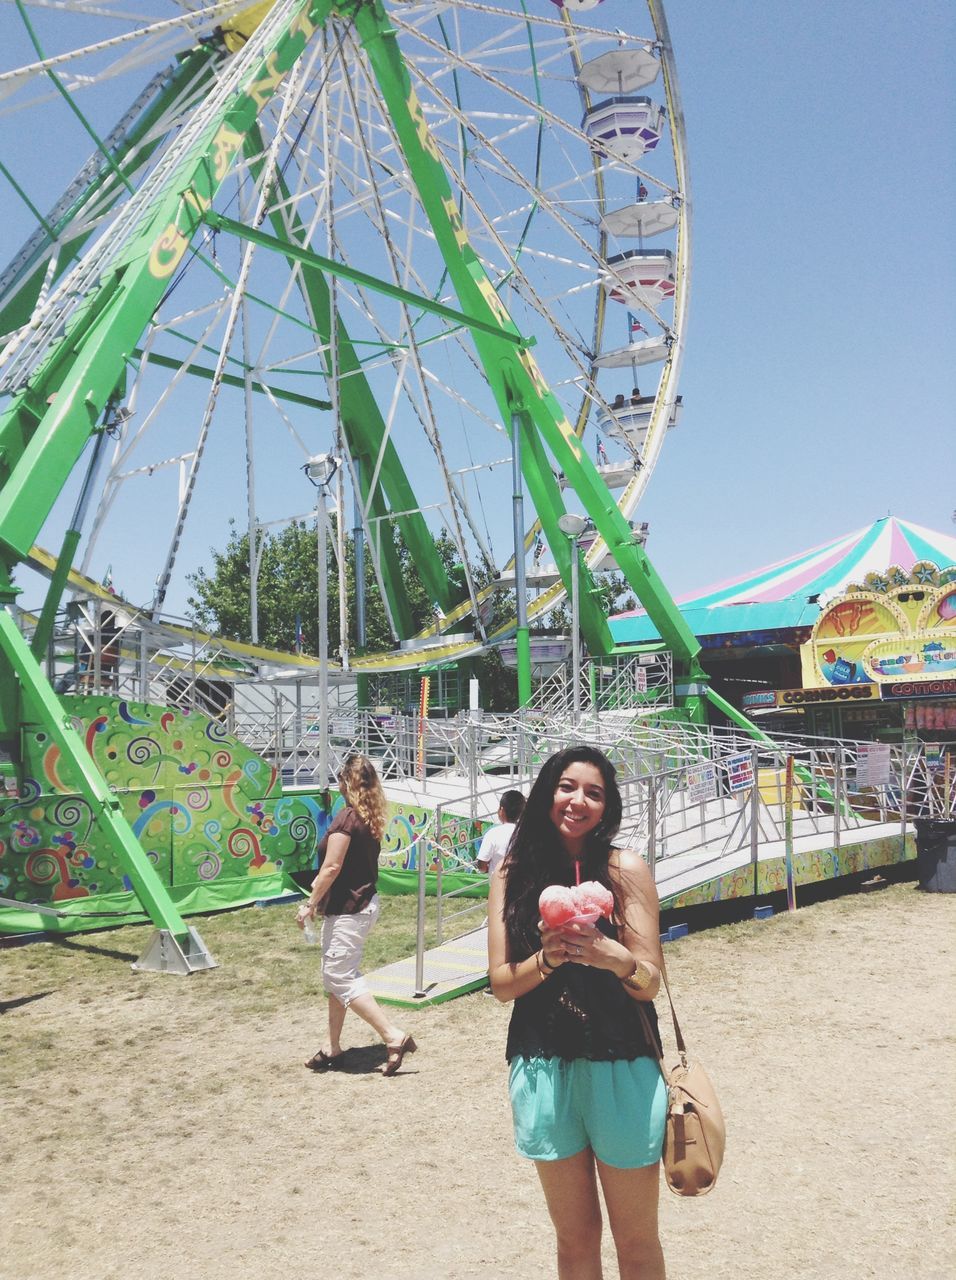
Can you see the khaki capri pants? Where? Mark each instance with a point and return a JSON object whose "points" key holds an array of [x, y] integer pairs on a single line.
{"points": [[343, 942]]}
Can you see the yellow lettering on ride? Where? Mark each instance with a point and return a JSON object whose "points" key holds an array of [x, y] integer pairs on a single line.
{"points": [[224, 146], [494, 302], [451, 209], [199, 202], [260, 91], [542, 388], [568, 432], [421, 128], [303, 25], [167, 252]]}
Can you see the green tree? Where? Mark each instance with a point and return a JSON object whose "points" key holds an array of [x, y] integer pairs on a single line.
{"points": [[288, 588]]}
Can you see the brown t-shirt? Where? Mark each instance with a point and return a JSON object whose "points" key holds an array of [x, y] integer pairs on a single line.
{"points": [[354, 886]]}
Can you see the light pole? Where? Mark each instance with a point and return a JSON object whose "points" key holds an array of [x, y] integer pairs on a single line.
{"points": [[321, 470], [522, 637], [574, 526]]}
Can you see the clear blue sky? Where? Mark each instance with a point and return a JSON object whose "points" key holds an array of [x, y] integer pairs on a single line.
{"points": [[819, 377]]}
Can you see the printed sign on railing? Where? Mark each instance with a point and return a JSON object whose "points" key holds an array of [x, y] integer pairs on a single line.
{"points": [[701, 783], [872, 764], [740, 772]]}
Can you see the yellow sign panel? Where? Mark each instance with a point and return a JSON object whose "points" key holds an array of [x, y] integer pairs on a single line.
{"points": [[894, 627], [820, 697]]}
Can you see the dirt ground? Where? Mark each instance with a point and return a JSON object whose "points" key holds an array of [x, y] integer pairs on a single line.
{"points": [[156, 1126]]}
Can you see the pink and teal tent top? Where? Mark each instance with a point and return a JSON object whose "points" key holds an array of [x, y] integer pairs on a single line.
{"points": [[788, 594]]}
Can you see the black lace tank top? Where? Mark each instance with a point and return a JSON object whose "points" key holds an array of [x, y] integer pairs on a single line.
{"points": [[580, 1012]]}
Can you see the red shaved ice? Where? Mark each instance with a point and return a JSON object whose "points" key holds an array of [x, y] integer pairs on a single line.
{"points": [[557, 906], [593, 899]]}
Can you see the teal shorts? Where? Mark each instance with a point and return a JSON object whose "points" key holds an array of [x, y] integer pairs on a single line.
{"points": [[615, 1108]]}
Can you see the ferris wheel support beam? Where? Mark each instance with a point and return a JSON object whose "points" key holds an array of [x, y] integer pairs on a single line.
{"points": [[233, 380], [516, 380], [333, 268], [45, 428], [512, 373], [130, 149]]}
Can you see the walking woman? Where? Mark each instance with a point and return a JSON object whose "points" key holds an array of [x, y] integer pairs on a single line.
{"points": [[344, 893], [587, 1096]]}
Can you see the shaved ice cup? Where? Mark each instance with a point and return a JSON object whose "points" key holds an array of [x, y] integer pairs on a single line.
{"points": [[556, 899], [593, 899], [586, 917], [556, 906]]}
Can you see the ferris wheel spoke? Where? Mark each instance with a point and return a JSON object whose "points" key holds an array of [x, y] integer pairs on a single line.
{"points": [[358, 422], [130, 438]]}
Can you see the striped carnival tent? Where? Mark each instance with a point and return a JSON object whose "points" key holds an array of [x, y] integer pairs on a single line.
{"points": [[788, 595]]}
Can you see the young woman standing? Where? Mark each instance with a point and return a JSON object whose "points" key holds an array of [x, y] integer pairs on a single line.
{"points": [[587, 1096]]}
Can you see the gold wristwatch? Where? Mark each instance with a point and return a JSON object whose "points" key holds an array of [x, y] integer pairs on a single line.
{"points": [[640, 979]]}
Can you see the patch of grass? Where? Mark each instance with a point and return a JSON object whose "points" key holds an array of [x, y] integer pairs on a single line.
{"points": [[253, 935], [264, 964]]}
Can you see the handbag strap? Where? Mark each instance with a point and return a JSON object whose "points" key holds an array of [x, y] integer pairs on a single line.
{"points": [[655, 1040], [678, 1035]]}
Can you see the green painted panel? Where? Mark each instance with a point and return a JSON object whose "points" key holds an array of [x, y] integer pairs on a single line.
{"points": [[810, 866], [203, 806]]}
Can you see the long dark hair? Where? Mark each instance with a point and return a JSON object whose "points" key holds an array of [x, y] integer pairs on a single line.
{"points": [[536, 857]]}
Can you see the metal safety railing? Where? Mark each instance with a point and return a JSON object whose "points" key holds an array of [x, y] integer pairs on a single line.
{"points": [[463, 748], [699, 801]]}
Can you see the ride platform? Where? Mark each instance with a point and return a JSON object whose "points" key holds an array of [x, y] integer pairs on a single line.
{"points": [[453, 969]]}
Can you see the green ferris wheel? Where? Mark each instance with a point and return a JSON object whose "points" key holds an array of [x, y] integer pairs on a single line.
{"points": [[442, 241], [404, 237], [428, 238]]}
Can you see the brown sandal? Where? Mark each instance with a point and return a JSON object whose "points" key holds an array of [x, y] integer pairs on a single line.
{"points": [[323, 1061], [396, 1055]]}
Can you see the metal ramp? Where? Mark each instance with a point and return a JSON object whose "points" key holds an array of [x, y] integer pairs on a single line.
{"points": [[461, 964], [453, 969]]}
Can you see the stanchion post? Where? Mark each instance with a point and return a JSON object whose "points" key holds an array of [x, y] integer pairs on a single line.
{"points": [[652, 825], [754, 817], [143, 664], [439, 885], [473, 767], [422, 862], [521, 755], [906, 775], [788, 834]]}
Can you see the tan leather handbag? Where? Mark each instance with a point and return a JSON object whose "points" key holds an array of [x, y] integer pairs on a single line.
{"points": [[695, 1133]]}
